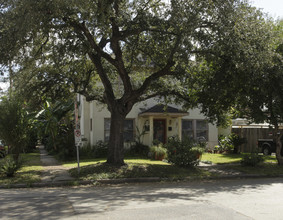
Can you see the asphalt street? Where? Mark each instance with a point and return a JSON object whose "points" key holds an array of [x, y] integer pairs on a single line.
{"points": [[221, 199]]}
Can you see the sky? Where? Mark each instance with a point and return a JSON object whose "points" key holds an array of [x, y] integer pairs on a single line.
{"points": [[273, 7]]}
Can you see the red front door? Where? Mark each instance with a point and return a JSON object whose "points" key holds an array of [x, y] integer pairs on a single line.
{"points": [[159, 130]]}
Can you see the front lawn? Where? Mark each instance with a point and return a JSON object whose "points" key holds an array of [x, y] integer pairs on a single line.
{"points": [[29, 172], [269, 169], [231, 158], [232, 162], [96, 169], [86, 162], [134, 168]]}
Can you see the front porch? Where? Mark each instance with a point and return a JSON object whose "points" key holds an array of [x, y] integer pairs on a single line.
{"points": [[160, 122]]}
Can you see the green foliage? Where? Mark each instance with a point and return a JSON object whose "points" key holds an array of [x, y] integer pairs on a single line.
{"points": [[16, 125], [225, 143], [9, 166], [139, 149], [87, 151], [183, 153], [55, 119], [158, 152], [137, 169], [191, 52], [3, 151], [29, 172], [54, 125], [100, 149], [252, 159], [65, 142], [229, 143]]}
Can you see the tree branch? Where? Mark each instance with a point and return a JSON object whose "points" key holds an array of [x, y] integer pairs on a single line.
{"points": [[163, 72], [80, 27], [96, 59], [115, 45]]}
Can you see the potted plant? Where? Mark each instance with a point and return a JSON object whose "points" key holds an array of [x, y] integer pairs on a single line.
{"points": [[158, 152], [197, 151]]}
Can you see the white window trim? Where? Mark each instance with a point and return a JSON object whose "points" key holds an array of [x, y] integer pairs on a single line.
{"points": [[194, 125]]}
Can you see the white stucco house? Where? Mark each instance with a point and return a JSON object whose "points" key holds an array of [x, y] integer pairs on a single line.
{"points": [[158, 121]]}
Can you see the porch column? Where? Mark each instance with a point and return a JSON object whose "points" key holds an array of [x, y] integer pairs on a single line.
{"points": [[150, 130], [180, 127]]}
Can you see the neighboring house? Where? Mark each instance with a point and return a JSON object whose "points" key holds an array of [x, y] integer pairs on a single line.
{"points": [[158, 121], [252, 132]]}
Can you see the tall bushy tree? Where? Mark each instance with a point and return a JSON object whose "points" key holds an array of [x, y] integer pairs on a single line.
{"points": [[16, 128], [120, 52], [263, 100]]}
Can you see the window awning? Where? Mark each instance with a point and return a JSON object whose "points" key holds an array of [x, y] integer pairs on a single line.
{"points": [[163, 110]]}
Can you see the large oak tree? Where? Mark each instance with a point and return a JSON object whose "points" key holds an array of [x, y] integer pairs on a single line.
{"points": [[121, 52]]}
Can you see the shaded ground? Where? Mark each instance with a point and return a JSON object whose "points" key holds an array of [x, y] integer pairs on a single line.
{"points": [[53, 171]]}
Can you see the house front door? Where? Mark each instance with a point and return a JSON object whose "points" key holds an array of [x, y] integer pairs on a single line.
{"points": [[159, 130]]}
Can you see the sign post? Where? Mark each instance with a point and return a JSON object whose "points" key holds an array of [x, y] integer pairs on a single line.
{"points": [[77, 133]]}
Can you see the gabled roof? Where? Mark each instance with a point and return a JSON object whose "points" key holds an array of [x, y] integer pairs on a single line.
{"points": [[163, 110]]}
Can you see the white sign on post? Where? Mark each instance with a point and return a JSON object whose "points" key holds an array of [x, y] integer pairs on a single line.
{"points": [[78, 137]]}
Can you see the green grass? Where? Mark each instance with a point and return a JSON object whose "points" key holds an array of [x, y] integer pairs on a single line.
{"points": [[137, 170], [28, 173], [231, 158], [83, 162], [270, 169], [222, 158], [86, 162], [134, 168]]}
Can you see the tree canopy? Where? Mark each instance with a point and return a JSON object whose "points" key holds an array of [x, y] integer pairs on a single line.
{"points": [[263, 100], [121, 52]]}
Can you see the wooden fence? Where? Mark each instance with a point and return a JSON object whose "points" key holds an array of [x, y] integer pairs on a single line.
{"points": [[252, 135]]}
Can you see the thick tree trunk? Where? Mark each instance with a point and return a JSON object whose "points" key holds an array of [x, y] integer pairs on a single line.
{"points": [[278, 136], [279, 151], [116, 140]]}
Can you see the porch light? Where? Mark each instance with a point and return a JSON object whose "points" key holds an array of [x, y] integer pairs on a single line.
{"points": [[146, 125]]}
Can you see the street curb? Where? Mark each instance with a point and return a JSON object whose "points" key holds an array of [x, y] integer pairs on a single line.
{"points": [[132, 180]]}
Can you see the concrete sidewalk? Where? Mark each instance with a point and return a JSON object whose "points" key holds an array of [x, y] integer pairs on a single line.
{"points": [[52, 170]]}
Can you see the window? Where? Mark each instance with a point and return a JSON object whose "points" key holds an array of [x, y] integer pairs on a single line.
{"points": [[187, 128], [195, 129], [201, 129], [107, 129], [128, 129]]}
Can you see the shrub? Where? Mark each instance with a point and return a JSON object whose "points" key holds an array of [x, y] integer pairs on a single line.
{"points": [[65, 142], [251, 159], [158, 152], [9, 166], [225, 143], [183, 153], [2, 153], [230, 143], [87, 151], [139, 149], [100, 149]]}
